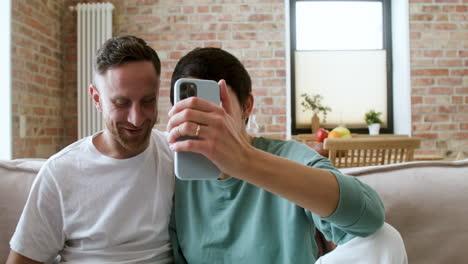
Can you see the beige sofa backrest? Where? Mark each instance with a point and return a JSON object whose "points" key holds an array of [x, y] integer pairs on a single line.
{"points": [[428, 203], [16, 178]]}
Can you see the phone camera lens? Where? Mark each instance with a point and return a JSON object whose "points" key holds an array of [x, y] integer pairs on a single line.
{"points": [[187, 90], [192, 91]]}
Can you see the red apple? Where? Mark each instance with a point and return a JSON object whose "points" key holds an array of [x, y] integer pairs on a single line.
{"points": [[321, 135]]}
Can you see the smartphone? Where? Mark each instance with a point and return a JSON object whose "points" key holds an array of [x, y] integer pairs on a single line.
{"points": [[191, 165]]}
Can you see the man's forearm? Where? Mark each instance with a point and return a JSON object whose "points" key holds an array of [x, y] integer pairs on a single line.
{"points": [[314, 189]]}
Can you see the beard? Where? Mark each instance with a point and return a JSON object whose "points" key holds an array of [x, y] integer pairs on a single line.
{"points": [[132, 143]]}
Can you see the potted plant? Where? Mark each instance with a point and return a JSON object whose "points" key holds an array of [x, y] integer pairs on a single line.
{"points": [[313, 102], [373, 121]]}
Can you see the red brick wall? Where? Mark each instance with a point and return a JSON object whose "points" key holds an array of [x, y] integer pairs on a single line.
{"points": [[37, 77], [255, 31], [439, 63]]}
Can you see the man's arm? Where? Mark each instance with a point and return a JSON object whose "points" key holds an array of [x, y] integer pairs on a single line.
{"points": [[15, 258], [39, 232], [223, 141]]}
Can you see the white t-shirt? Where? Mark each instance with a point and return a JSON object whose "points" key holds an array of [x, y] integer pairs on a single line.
{"points": [[90, 208]]}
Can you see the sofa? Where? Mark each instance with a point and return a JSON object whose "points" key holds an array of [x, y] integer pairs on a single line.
{"points": [[427, 201]]}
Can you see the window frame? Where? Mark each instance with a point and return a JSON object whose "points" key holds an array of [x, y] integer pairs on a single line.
{"points": [[387, 45]]}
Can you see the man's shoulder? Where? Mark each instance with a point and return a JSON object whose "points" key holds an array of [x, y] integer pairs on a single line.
{"points": [[160, 140], [162, 135], [277, 145], [69, 155], [289, 149], [71, 149]]}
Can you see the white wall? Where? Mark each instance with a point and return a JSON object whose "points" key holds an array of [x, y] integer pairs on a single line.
{"points": [[5, 81], [288, 69], [401, 67]]}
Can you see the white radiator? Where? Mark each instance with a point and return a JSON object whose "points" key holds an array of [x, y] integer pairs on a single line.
{"points": [[94, 27]]}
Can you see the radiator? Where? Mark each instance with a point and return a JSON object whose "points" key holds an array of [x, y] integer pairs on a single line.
{"points": [[94, 27]]}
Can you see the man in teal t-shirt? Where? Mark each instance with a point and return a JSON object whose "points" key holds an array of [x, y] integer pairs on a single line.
{"points": [[271, 194]]}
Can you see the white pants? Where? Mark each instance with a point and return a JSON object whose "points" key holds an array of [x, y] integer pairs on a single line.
{"points": [[383, 247]]}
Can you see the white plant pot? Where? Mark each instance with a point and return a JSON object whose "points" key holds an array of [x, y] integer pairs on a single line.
{"points": [[374, 129]]}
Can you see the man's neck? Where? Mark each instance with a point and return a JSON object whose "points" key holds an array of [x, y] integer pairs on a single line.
{"points": [[108, 146]]}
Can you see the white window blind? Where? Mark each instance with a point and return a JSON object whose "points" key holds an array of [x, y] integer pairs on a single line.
{"points": [[339, 54], [351, 83]]}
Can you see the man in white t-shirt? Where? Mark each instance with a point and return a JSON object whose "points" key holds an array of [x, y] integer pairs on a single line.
{"points": [[106, 198]]}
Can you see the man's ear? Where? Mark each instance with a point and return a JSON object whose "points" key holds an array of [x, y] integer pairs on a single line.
{"points": [[248, 106], [224, 96], [93, 91]]}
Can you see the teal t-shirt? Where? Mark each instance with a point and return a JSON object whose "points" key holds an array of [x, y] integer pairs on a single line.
{"points": [[232, 221]]}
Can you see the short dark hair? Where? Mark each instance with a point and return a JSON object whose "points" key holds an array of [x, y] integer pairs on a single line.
{"points": [[214, 64], [118, 50]]}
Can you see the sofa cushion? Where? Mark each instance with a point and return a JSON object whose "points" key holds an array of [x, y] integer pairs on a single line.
{"points": [[16, 177], [427, 203]]}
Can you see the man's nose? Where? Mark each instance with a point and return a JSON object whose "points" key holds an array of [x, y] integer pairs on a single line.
{"points": [[135, 116]]}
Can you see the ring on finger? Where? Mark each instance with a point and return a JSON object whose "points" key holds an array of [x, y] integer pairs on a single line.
{"points": [[197, 132]]}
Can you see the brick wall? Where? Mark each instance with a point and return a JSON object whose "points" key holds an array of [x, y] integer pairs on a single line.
{"points": [[36, 77], [439, 63], [254, 31]]}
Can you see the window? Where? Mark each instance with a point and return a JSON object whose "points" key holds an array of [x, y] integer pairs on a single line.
{"points": [[342, 51], [5, 82]]}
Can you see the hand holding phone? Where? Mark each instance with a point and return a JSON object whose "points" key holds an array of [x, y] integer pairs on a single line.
{"points": [[191, 165]]}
